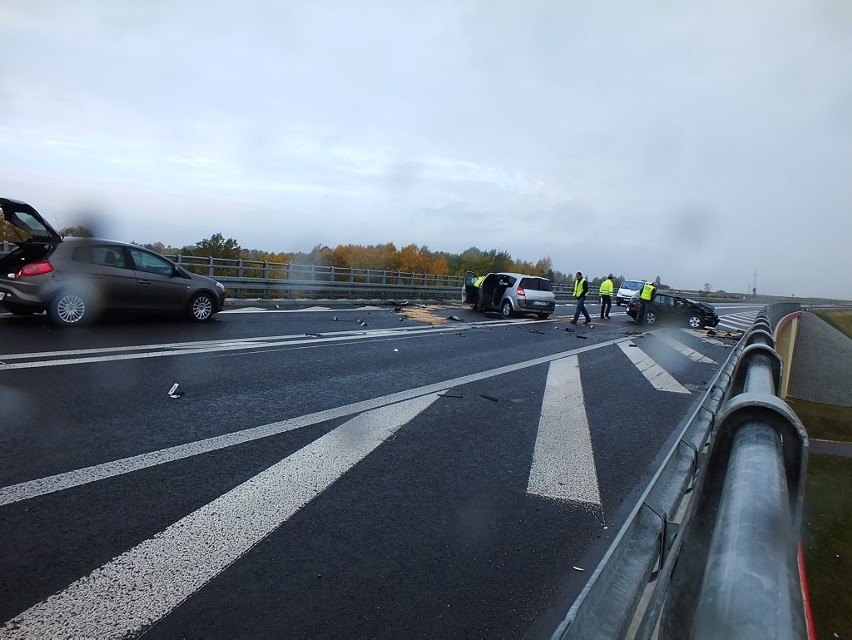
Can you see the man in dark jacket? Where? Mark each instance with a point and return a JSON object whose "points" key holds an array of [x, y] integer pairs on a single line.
{"points": [[581, 288]]}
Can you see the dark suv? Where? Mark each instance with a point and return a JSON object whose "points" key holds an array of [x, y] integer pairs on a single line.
{"points": [[677, 309], [74, 279]]}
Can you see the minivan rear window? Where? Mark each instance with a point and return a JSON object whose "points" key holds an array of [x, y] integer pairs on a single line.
{"points": [[536, 284]]}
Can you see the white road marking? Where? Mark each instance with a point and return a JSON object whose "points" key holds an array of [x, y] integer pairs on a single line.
{"points": [[692, 354], [78, 477], [144, 584], [738, 321], [654, 373], [563, 465]]}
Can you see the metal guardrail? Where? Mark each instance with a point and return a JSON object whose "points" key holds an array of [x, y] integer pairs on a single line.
{"points": [[249, 278], [710, 549], [263, 279]]}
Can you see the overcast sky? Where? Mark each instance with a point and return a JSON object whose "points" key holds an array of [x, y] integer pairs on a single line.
{"points": [[697, 141]]}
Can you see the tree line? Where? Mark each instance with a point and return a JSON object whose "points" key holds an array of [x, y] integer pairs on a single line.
{"points": [[384, 257], [387, 257]]}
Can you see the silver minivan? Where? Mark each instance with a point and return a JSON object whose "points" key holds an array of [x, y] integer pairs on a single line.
{"points": [[74, 279], [510, 293]]}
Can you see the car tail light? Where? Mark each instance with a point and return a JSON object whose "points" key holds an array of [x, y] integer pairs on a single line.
{"points": [[521, 292], [34, 269]]}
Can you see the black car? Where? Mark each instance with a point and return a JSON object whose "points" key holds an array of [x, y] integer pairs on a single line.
{"points": [[73, 279], [676, 309]]}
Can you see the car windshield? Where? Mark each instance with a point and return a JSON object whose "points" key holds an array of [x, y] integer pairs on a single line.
{"points": [[632, 284]]}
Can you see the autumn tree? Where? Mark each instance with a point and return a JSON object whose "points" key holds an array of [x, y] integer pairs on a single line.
{"points": [[76, 231], [216, 246]]}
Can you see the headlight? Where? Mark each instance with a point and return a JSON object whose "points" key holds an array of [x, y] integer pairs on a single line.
{"points": [[220, 286]]}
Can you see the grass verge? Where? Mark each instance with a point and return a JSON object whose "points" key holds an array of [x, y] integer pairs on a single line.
{"points": [[828, 544], [824, 421], [827, 538], [840, 320]]}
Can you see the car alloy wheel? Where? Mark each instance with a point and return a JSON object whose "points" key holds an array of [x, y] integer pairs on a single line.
{"points": [[650, 317], [507, 309], [201, 307], [695, 321], [67, 309]]}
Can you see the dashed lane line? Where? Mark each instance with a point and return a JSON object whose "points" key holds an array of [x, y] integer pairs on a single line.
{"points": [[142, 585], [658, 377], [563, 465]]}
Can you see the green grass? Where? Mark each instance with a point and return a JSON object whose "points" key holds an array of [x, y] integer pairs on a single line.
{"points": [[840, 320], [828, 544], [824, 421], [827, 538]]}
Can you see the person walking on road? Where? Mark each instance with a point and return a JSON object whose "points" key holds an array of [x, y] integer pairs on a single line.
{"points": [[581, 288], [605, 291], [646, 295]]}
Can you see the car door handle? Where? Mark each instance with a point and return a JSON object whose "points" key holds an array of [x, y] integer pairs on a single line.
{"points": [[144, 281]]}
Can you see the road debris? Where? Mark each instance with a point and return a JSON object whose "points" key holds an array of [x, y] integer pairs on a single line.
{"points": [[578, 569], [449, 395], [492, 398], [176, 391]]}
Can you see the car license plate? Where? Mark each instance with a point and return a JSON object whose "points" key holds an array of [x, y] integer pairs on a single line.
{"points": [[539, 303]]}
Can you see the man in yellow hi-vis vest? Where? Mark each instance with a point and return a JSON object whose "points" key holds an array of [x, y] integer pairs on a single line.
{"points": [[581, 288], [646, 294], [605, 291]]}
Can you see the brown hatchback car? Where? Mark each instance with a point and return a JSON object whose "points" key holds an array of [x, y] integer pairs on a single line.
{"points": [[75, 279]]}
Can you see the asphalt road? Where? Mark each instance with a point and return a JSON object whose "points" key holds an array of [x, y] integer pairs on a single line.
{"points": [[346, 472]]}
